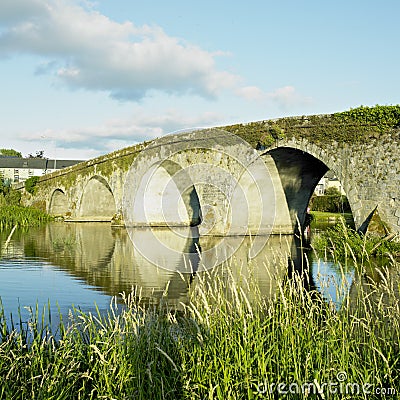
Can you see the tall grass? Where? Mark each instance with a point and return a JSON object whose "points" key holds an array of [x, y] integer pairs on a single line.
{"points": [[21, 216], [230, 341], [343, 242]]}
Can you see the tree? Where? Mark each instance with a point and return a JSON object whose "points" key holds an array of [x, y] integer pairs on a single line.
{"points": [[39, 154], [332, 191], [10, 153]]}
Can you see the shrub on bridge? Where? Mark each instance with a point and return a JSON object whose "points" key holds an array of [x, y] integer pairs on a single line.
{"points": [[356, 125], [382, 116], [30, 184]]}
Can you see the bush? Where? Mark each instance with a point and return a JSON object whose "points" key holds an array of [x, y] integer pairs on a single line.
{"points": [[330, 203], [332, 191], [12, 197], [30, 184]]}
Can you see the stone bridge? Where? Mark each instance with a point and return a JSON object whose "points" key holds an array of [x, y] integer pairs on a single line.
{"points": [[156, 180]]}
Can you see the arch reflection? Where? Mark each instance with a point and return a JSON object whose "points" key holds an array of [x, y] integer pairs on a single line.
{"points": [[106, 258]]}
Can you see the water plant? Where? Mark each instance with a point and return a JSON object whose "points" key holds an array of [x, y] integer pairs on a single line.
{"points": [[62, 244], [21, 216]]}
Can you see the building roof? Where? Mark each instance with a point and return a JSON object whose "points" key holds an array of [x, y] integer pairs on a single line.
{"points": [[35, 163], [330, 175]]}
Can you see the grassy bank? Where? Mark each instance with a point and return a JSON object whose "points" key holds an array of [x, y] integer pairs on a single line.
{"points": [[343, 242], [322, 215], [16, 215], [221, 345]]}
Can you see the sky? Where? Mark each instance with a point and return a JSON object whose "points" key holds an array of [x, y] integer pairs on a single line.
{"points": [[79, 79]]}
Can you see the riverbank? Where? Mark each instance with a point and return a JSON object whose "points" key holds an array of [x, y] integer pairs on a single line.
{"points": [[328, 217], [15, 215], [230, 341], [344, 243]]}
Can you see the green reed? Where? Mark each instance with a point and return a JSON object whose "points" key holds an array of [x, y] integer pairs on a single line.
{"points": [[343, 242], [21, 216], [229, 341]]}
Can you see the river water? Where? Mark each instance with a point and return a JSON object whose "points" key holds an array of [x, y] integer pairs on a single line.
{"points": [[85, 265]]}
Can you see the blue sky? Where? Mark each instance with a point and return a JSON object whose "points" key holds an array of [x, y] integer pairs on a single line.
{"points": [[79, 79]]}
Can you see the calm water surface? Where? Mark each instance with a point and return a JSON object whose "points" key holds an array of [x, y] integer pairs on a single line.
{"points": [[85, 265]]}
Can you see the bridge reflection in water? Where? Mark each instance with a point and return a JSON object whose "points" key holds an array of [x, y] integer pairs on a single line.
{"points": [[105, 261], [106, 258]]}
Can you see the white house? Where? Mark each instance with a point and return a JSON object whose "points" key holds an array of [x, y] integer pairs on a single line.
{"points": [[327, 181], [18, 169]]}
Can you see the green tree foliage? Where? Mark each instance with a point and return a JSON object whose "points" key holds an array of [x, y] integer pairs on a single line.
{"points": [[332, 191], [335, 203], [30, 184], [39, 154], [10, 153]]}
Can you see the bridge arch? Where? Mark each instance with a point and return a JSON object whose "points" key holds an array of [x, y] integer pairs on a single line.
{"points": [[164, 196], [58, 203], [300, 168], [97, 200]]}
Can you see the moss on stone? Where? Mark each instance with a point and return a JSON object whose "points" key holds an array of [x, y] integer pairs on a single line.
{"points": [[357, 125], [104, 165]]}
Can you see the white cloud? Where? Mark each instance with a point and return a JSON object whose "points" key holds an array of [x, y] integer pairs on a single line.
{"points": [[251, 93], [85, 49], [285, 97], [116, 134]]}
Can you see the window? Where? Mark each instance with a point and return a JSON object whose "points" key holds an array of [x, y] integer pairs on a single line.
{"points": [[16, 175], [319, 190]]}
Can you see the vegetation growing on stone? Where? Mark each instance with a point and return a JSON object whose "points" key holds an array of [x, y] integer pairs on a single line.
{"points": [[383, 117], [103, 165], [354, 126], [30, 184]]}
